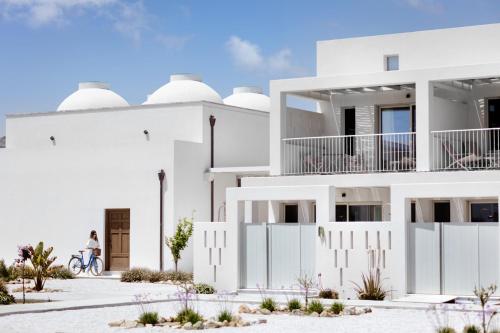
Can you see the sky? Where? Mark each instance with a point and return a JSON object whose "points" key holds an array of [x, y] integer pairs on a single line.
{"points": [[48, 46]]}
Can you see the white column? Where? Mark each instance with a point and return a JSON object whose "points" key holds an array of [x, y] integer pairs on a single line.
{"points": [[325, 214], [273, 211], [424, 96], [248, 211], [231, 280], [277, 128]]}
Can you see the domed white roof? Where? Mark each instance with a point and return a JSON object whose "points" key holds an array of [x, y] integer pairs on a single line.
{"points": [[92, 95], [184, 88], [249, 98]]}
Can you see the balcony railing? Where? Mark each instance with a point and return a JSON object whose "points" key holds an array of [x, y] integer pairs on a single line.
{"points": [[469, 149], [369, 153]]}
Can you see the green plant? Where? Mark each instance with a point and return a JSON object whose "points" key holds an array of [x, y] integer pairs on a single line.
{"points": [[155, 276], [203, 288], [484, 295], [149, 318], [372, 288], [178, 276], [315, 306], [4, 271], [337, 307], [41, 262], [472, 329], [188, 315], [180, 239], [328, 294], [268, 303], [136, 275], [61, 273], [294, 304], [445, 329], [224, 315], [5, 297]]}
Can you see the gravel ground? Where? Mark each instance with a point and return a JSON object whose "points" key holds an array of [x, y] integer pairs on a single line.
{"points": [[96, 320]]}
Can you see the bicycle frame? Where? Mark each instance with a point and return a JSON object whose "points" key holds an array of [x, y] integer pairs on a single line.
{"points": [[82, 261]]}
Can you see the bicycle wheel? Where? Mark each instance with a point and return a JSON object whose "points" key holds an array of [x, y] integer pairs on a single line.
{"points": [[97, 266], [75, 266]]}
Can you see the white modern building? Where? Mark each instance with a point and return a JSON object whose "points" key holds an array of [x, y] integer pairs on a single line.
{"points": [[94, 163], [396, 168]]}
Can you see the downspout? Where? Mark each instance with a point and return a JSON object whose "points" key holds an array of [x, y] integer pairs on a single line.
{"points": [[161, 178], [212, 125]]}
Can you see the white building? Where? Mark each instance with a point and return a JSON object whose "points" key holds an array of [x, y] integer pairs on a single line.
{"points": [[405, 136], [94, 164]]}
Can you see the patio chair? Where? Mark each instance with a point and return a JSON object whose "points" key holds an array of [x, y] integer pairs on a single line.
{"points": [[313, 164], [462, 160]]}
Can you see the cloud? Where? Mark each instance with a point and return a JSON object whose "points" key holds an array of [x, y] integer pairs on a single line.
{"points": [[129, 18], [248, 56], [432, 6]]}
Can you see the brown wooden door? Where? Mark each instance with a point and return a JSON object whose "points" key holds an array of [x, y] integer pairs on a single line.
{"points": [[117, 239]]}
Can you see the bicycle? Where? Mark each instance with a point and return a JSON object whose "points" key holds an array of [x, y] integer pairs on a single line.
{"points": [[76, 264]]}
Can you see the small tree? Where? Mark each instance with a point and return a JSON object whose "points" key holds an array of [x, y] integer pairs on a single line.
{"points": [[484, 295], [180, 239]]}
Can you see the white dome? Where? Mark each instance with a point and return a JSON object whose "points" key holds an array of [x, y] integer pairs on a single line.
{"points": [[184, 88], [92, 95], [249, 98]]}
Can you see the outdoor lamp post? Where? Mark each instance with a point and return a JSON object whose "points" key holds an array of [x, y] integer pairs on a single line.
{"points": [[161, 177]]}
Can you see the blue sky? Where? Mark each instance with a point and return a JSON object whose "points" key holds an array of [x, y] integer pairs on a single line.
{"points": [[48, 46]]}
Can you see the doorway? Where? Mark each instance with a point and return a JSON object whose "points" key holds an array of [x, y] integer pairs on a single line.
{"points": [[494, 122], [117, 241], [442, 211]]}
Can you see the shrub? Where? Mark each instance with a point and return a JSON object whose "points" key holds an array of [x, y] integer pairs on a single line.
{"points": [[5, 297], [471, 329], [136, 275], [224, 315], [178, 276], [328, 294], [61, 273], [41, 261], [315, 306], [371, 288], [445, 329], [337, 307], [188, 315], [156, 276], [203, 288], [268, 303], [4, 271], [294, 304], [149, 318]]}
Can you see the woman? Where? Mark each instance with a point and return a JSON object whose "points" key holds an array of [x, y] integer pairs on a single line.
{"points": [[92, 245]]}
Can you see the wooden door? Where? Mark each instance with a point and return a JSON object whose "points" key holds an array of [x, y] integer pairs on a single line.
{"points": [[117, 239]]}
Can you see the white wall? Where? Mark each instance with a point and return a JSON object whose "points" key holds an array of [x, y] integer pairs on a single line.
{"points": [[416, 50], [301, 123]]}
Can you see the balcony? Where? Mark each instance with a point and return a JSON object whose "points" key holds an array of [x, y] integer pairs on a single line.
{"points": [[467, 149], [370, 153]]}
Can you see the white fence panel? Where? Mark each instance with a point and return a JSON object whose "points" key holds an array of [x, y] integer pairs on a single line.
{"points": [[488, 254], [460, 258], [254, 259], [308, 249], [284, 253], [424, 258]]}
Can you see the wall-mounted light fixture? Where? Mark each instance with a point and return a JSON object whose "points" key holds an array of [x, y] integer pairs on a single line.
{"points": [[408, 95], [53, 140], [146, 132]]}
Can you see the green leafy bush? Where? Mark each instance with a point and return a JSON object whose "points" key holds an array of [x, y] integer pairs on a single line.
{"points": [[471, 329], [371, 288], [41, 262], [149, 318], [315, 306], [5, 297], [178, 242], [337, 307], [156, 276], [268, 303], [224, 315], [136, 275], [294, 304], [4, 271], [328, 294], [188, 315], [445, 329], [203, 288], [61, 273]]}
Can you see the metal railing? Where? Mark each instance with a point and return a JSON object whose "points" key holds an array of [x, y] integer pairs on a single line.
{"points": [[468, 149], [368, 153]]}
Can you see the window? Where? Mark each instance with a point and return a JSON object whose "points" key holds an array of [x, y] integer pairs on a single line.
{"points": [[292, 213], [392, 63], [484, 212], [413, 217], [442, 211], [349, 129], [358, 213]]}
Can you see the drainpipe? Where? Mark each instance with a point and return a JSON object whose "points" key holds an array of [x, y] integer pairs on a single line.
{"points": [[212, 125], [161, 177]]}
